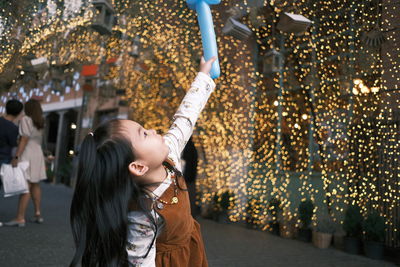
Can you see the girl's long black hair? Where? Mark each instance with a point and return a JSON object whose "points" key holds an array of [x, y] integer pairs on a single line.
{"points": [[101, 199], [103, 193]]}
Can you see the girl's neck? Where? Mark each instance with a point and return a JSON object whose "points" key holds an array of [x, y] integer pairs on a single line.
{"points": [[155, 177]]}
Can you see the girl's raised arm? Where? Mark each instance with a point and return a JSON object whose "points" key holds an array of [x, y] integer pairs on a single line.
{"points": [[188, 112]]}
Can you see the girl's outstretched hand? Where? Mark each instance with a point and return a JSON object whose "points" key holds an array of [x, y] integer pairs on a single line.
{"points": [[205, 66]]}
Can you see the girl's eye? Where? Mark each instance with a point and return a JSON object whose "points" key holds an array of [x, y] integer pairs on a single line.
{"points": [[145, 134]]}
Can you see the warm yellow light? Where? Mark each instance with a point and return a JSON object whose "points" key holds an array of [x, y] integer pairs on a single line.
{"points": [[364, 89], [375, 89], [155, 83]]}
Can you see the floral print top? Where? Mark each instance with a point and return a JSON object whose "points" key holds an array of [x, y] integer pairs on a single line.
{"points": [[141, 246]]}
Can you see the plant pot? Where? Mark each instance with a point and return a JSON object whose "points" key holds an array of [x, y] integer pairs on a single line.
{"points": [[338, 240], [392, 254], [274, 226], [352, 245], [214, 217], [250, 225], [373, 250], [286, 230], [321, 240], [304, 235], [223, 217], [207, 212]]}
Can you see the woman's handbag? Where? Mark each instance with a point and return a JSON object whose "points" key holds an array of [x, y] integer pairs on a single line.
{"points": [[14, 182]]}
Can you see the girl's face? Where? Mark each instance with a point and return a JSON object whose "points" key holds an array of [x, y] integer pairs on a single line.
{"points": [[150, 148]]}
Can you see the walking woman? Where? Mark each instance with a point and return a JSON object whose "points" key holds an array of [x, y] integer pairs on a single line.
{"points": [[30, 149]]}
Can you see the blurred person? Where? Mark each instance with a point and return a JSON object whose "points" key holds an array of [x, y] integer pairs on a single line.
{"points": [[30, 149], [9, 131]]}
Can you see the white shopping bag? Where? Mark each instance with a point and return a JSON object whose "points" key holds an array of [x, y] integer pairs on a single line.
{"points": [[14, 182]]}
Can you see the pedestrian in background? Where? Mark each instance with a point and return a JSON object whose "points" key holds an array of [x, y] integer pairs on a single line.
{"points": [[9, 131], [30, 149]]}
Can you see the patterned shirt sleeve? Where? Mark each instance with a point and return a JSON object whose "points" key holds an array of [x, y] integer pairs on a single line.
{"points": [[186, 116], [141, 234]]}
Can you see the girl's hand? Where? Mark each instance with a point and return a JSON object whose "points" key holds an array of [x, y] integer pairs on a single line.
{"points": [[205, 67]]}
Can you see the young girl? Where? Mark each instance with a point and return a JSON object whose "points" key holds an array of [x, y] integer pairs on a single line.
{"points": [[130, 206]]}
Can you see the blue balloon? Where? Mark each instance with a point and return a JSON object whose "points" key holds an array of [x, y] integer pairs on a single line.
{"points": [[207, 31]]}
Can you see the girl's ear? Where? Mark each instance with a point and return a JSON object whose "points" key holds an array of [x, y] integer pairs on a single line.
{"points": [[137, 168]]}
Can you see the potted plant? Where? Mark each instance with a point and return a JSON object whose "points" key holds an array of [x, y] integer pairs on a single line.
{"points": [[338, 236], [374, 235], [221, 204], [287, 227], [252, 213], [207, 211], [306, 210], [322, 236], [275, 211], [226, 201], [353, 228], [393, 253], [216, 206]]}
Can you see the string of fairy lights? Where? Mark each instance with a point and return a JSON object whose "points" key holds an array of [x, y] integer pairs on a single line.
{"points": [[322, 128]]}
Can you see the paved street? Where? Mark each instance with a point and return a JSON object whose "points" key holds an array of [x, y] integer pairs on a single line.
{"points": [[50, 244]]}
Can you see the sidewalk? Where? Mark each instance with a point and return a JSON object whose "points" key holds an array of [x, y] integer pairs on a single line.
{"points": [[51, 244], [234, 246], [47, 244]]}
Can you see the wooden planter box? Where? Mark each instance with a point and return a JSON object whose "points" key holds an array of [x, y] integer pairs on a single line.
{"points": [[321, 240], [373, 250], [287, 229]]}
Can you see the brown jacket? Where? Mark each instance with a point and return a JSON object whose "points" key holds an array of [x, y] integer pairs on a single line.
{"points": [[180, 243]]}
